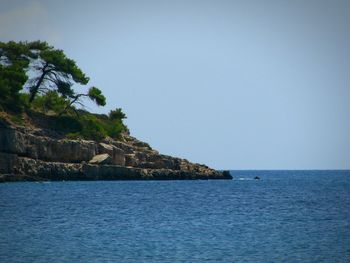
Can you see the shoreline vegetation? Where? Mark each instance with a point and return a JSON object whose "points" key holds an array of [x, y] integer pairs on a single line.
{"points": [[45, 136]]}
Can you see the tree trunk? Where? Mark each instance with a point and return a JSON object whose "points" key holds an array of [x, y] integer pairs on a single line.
{"points": [[35, 89]]}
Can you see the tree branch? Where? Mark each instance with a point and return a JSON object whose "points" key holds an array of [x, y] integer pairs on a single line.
{"points": [[75, 98]]}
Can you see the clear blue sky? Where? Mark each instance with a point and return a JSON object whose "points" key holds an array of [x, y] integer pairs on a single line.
{"points": [[233, 84]]}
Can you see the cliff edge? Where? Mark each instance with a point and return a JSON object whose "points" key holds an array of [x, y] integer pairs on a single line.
{"points": [[37, 154]]}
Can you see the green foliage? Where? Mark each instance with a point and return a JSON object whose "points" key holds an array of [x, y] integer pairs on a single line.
{"points": [[59, 63], [115, 128], [50, 69], [97, 127], [50, 84], [117, 114], [65, 89], [67, 124], [12, 79], [17, 118], [51, 101], [13, 64], [87, 126], [96, 95], [38, 45], [92, 128], [15, 52], [60, 124], [54, 70]]}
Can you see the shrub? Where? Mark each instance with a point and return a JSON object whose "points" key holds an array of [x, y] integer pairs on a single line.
{"points": [[92, 128], [51, 101], [67, 124]]}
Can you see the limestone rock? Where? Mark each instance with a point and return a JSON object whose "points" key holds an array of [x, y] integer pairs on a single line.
{"points": [[104, 158], [35, 154], [118, 156], [131, 160], [105, 148], [45, 148], [12, 141]]}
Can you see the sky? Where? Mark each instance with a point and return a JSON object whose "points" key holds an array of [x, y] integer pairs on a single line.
{"points": [[232, 84]]}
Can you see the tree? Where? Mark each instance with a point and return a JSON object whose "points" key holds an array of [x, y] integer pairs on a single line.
{"points": [[117, 114], [53, 70], [13, 65], [49, 68]]}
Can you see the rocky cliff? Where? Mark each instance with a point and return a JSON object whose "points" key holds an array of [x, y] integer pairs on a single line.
{"points": [[34, 154]]}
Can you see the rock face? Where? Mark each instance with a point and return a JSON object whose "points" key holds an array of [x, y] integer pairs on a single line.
{"points": [[25, 155], [103, 158], [23, 143]]}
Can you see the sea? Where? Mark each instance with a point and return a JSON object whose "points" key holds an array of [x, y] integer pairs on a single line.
{"points": [[285, 216]]}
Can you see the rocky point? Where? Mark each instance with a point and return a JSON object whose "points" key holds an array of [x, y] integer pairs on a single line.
{"points": [[34, 154]]}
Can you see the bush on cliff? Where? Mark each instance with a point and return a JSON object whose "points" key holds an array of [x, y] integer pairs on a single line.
{"points": [[98, 126], [50, 103]]}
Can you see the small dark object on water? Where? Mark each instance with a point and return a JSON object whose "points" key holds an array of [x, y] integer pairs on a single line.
{"points": [[256, 178]]}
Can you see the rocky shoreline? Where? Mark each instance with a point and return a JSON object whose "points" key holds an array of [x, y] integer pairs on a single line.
{"points": [[33, 154]]}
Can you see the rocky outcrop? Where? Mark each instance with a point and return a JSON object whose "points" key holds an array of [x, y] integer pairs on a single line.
{"points": [[27, 154]]}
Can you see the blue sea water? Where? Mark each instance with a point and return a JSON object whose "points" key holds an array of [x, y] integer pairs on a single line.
{"points": [[287, 216]]}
